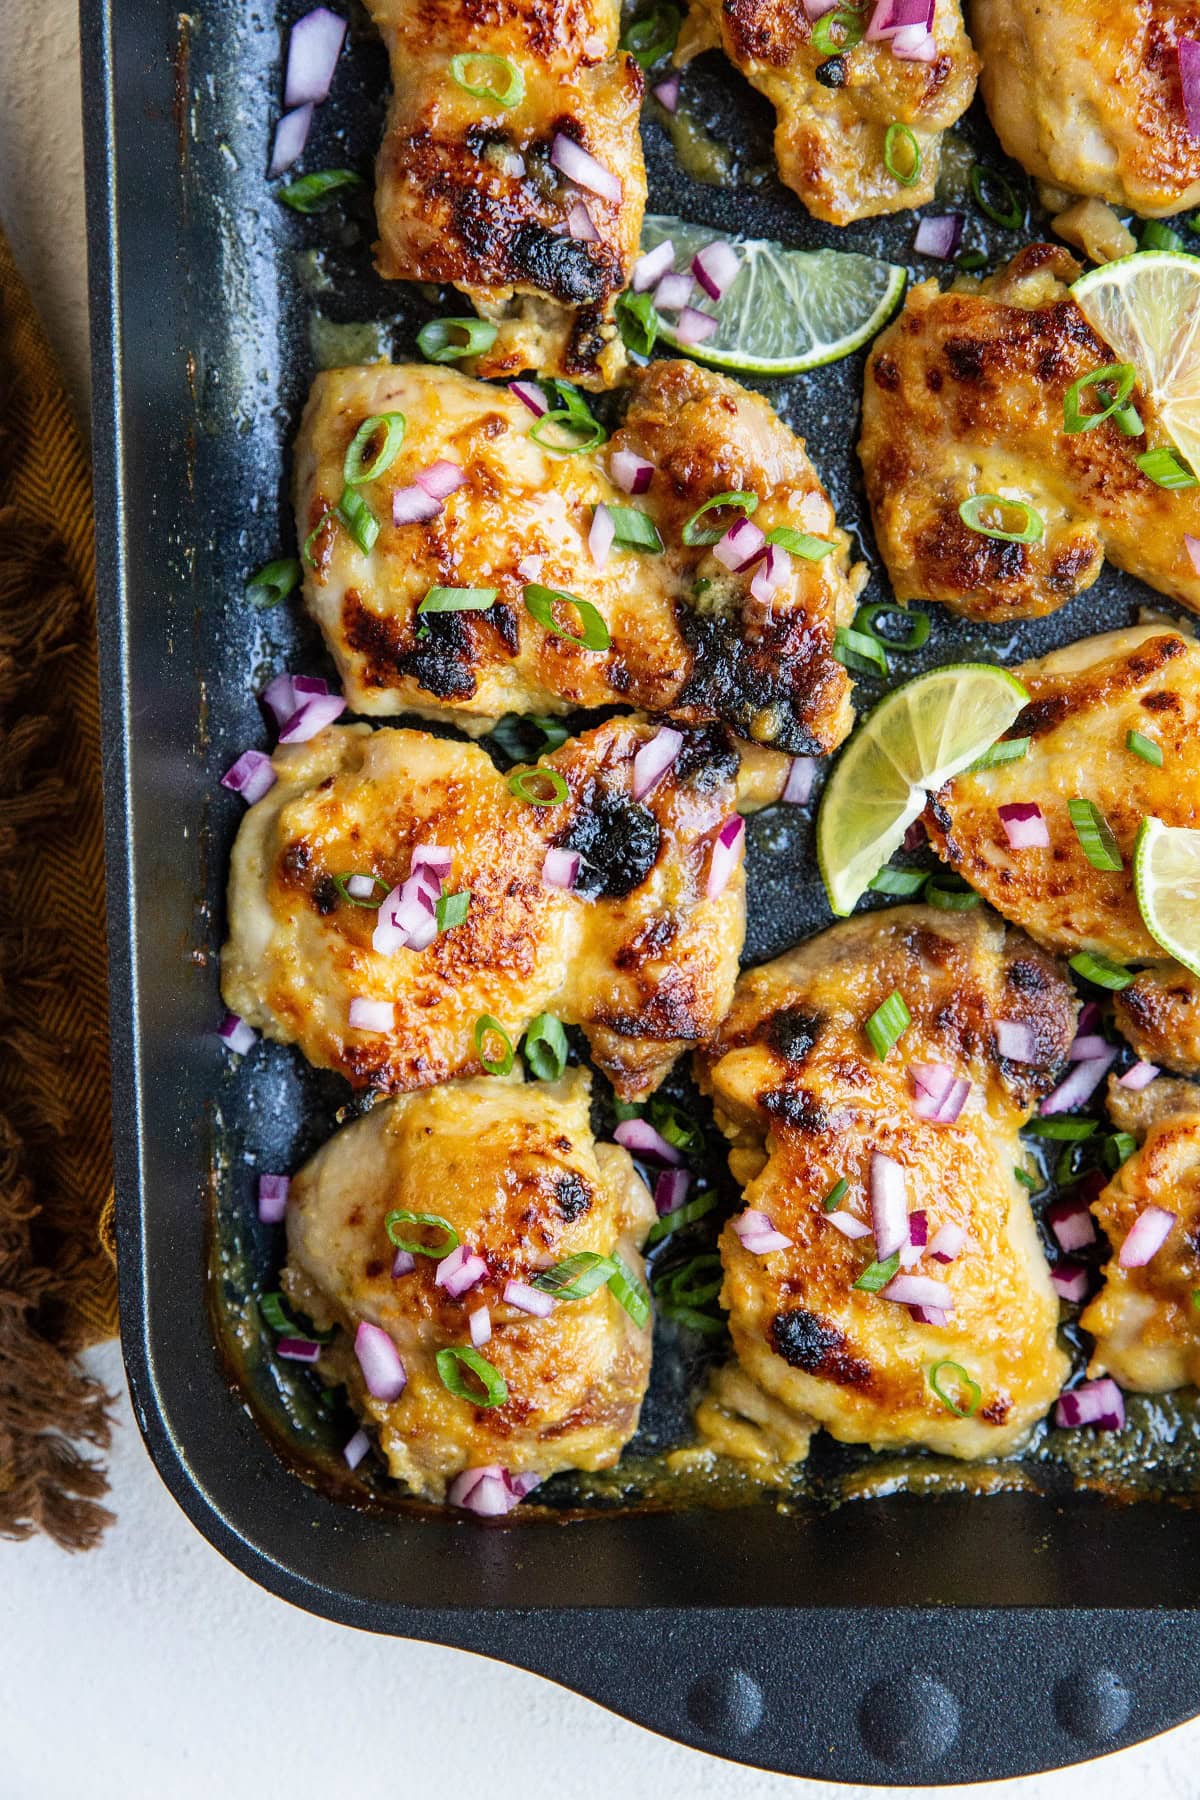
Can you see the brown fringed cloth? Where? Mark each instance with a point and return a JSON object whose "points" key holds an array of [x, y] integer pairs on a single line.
{"points": [[57, 1287]]}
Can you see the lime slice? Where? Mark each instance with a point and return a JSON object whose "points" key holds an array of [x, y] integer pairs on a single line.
{"points": [[1147, 307], [918, 737], [1166, 880], [785, 310]]}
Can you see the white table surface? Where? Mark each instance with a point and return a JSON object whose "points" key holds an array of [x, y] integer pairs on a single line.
{"points": [[150, 1669]]}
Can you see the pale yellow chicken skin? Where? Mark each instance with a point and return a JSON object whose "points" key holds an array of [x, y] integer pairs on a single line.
{"points": [[807, 1102], [964, 396], [636, 953], [1084, 702], [1087, 95], [834, 110], [514, 1170], [688, 637], [466, 189]]}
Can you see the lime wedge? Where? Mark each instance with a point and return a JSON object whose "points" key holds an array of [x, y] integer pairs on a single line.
{"points": [[1147, 307], [1166, 880], [785, 310], [917, 737]]}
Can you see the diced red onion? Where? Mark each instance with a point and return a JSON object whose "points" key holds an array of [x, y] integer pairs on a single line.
{"points": [[1070, 1281], [946, 1242], [251, 776], [1090, 1015], [930, 1315], [441, 479], [667, 93], [1189, 81], [891, 16], [237, 1035], [915, 836], [480, 1322], [530, 568], [1024, 826], [1071, 1222], [378, 1358], [561, 868], [756, 1233], [489, 1492], [273, 1198], [939, 235], [1192, 546], [918, 1228], [1099, 1403], [530, 395], [797, 789], [673, 292], [356, 1448], [279, 697], [437, 858], [648, 269], [847, 1224], [580, 225], [314, 45], [918, 1290], [654, 759], [573, 161], [291, 135], [1140, 1076], [303, 686], [716, 266], [600, 537], [360, 887], [912, 43], [889, 1205], [771, 574], [312, 717], [1149, 1233], [741, 546], [528, 1299], [693, 326], [1088, 1048], [631, 473], [1079, 1084], [295, 1349], [1016, 1041], [671, 1190], [403, 1263], [459, 1272], [413, 506], [726, 853], [640, 1138], [372, 1015], [940, 1093]]}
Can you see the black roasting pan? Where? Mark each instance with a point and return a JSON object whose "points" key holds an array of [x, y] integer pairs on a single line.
{"points": [[893, 1640]]}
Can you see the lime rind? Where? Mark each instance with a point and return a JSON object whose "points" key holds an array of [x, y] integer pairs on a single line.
{"points": [[786, 311], [1168, 845]]}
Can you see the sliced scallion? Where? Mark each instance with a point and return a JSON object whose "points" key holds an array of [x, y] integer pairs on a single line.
{"points": [[502, 81], [418, 1246], [860, 652], [634, 528], [1031, 530], [800, 543], [273, 582], [950, 893], [576, 1276], [902, 883], [1005, 750], [1005, 208], [1118, 378], [1118, 1148], [451, 1364], [1165, 467], [358, 519], [849, 24], [887, 1024], [546, 1047], [455, 599], [540, 603], [629, 1292], [693, 533], [917, 625], [902, 154], [341, 883], [486, 1027], [589, 433], [1101, 970], [1145, 747], [450, 340], [638, 321], [876, 1275], [961, 1409], [452, 909], [648, 40], [313, 193], [1063, 1131], [531, 785], [687, 1214], [355, 467], [1095, 835], [836, 1194]]}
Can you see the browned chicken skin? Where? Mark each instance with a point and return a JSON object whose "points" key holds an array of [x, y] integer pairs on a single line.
{"points": [[467, 192], [964, 395], [830, 135]]}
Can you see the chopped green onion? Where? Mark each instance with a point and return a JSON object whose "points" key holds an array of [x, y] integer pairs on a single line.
{"points": [[969, 260], [417, 1246], [313, 193], [850, 25], [694, 1283], [887, 1024], [916, 634], [486, 1027], [680, 1130], [1127, 418], [577, 1276], [451, 1363], [590, 432], [530, 785], [1006, 209], [540, 603], [692, 532], [799, 543], [546, 1047], [1102, 970], [1095, 835], [455, 599], [634, 528], [855, 650], [950, 893], [1196, 1298], [695, 1320], [511, 94], [1026, 1179], [638, 321], [903, 883], [629, 1291], [341, 883], [1064, 1131], [354, 469], [1165, 467], [687, 1214], [974, 1391], [1118, 1148], [1157, 236], [274, 582], [452, 909], [899, 138], [877, 1274], [1145, 747], [450, 340], [277, 1317], [1074, 417], [836, 1194], [1066, 1168], [648, 40], [1032, 530], [358, 519], [330, 514], [1005, 750], [627, 1109]]}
